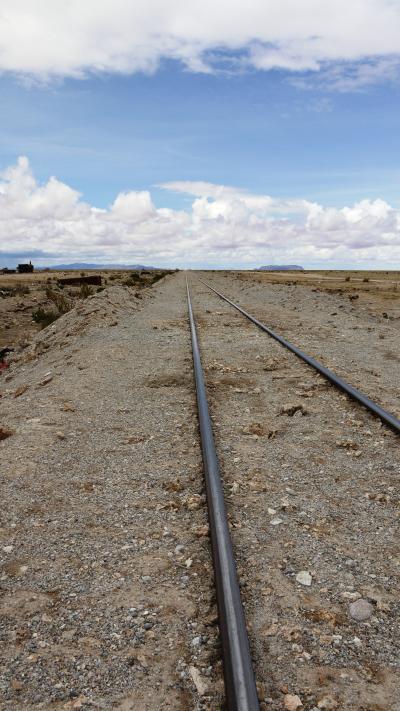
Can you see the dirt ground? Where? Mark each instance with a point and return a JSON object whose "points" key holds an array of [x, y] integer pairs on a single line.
{"points": [[106, 589]]}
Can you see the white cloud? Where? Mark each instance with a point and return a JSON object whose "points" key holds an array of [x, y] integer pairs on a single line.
{"points": [[224, 226], [53, 38]]}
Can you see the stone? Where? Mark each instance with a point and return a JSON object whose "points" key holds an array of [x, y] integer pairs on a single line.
{"points": [[292, 702], [304, 578], [21, 390], [198, 681], [276, 521], [291, 408], [327, 703], [5, 432], [361, 610]]}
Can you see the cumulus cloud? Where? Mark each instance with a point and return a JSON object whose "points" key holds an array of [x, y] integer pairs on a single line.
{"points": [[71, 39], [224, 226]]}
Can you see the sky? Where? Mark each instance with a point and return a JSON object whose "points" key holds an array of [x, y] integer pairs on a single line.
{"points": [[231, 134]]}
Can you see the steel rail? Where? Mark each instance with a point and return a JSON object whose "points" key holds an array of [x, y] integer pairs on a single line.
{"points": [[352, 392], [240, 685]]}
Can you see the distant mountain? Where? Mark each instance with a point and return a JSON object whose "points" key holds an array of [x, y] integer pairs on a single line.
{"points": [[83, 265], [281, 268]]}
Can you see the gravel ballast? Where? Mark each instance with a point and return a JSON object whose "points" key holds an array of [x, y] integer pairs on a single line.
{"points": [[106, 587]]}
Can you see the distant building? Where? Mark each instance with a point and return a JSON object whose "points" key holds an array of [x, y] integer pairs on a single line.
{"points": [[6, 270], [25, 268]]}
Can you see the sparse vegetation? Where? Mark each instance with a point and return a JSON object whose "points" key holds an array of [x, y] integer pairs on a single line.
{"points": [[134, 279], [85, 291], [156, 277], [44, 317], [22, 290], [61, 302]]}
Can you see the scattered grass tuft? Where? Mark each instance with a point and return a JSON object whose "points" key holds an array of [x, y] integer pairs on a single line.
{"points": [[85, 291], [43, 317], [60, 301]]}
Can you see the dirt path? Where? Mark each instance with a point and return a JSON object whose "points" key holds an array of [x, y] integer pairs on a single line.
{"points": [[106, 590]]}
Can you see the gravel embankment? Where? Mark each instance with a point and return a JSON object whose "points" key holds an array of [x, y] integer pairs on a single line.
{"points": [[106, 597]]}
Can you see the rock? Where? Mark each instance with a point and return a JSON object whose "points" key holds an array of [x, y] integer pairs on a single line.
{"points": [[196, 641], [21, 390], [255, 428], [5, 432], [292, 702], [47, 379], [276, 521], [272, 630], [304, 578], [200, 531], [291, 408], [198, 681], [361, 610], [349, 595], [60, 435], [16, 685], [327, 703], [272, 364], [7, 549]]}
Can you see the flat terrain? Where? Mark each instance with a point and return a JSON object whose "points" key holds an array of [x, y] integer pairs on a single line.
{"points": [[106, 586]]}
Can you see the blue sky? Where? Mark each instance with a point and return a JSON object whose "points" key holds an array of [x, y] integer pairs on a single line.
{"points": [[255, 130], [324, 131]]}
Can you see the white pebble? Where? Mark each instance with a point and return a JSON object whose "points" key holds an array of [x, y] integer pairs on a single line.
{"points": [[304, 578]]}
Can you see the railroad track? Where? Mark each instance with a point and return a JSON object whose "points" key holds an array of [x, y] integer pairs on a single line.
{"points": [[239, 678]]}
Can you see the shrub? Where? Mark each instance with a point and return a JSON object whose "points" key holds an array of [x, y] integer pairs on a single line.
{"points": [[22, 289], [85, 291], [43, 317], [133, 280], [61, 302], [157, 277]]}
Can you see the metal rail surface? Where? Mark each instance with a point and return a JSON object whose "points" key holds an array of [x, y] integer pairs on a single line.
{"points": [[377, 410], [240, 685]]}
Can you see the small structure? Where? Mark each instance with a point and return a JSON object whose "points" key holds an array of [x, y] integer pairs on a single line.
{"points": [[6, 270], [25, 268], [93, 280]]}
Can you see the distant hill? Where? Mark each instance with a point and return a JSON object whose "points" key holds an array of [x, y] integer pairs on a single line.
{"points": [[83, 265], [281, 268]]}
